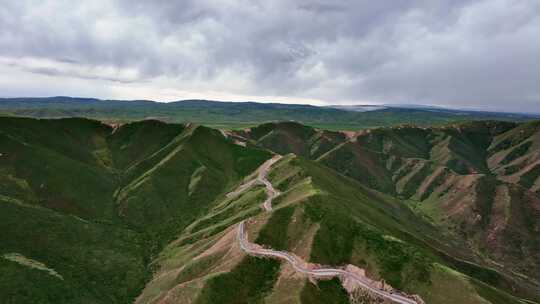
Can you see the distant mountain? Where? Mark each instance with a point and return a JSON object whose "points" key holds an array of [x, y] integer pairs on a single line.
{"points": [[359, 108], [414, 106], [242, 114]]}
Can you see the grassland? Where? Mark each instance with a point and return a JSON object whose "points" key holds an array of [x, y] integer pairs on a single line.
{"points": [[238, 115]]}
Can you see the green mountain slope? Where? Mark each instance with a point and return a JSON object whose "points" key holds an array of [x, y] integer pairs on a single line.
{"points": [[95, 203], [140, 212], [475, 181], [326, 219]]}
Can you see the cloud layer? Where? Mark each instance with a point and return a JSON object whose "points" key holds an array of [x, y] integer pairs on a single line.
{"points": [[483, 54]]}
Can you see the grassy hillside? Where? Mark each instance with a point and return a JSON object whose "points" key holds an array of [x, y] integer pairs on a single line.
{"points": [[138, 212], [292, 137], [476, 181], [327, 219], [96, 263], [95, 202]]}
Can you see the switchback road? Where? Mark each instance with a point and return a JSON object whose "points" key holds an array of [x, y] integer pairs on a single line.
{"points": [[297, 263]]}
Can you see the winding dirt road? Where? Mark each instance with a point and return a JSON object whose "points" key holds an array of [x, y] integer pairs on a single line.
{"points": [[296, 263], [253, 249], [262, 171]]}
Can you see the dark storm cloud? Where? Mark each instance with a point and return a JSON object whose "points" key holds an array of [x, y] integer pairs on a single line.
{"points": [[458, 53]]}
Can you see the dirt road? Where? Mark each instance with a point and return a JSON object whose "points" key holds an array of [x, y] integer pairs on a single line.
{"points": [[262, 171], [297, 263]]}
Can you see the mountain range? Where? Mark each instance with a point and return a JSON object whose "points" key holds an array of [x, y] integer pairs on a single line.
{"points": [[149, 212]]}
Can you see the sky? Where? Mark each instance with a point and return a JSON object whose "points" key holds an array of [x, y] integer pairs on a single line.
{"points": [[482, 54]]}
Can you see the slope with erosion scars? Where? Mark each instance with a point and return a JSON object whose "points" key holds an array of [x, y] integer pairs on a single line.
{"points": [[300, 265], [448, 174]]}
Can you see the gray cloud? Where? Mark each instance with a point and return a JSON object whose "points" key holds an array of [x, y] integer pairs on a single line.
{"points": [[481, 54]]}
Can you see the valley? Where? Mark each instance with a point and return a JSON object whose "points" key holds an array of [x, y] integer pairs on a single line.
{"points": [[153, 212]]}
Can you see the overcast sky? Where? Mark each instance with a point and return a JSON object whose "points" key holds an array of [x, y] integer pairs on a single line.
{"points": [[480, 54]]}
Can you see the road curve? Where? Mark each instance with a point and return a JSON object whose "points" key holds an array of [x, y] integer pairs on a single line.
{"points": [[297, 264], [262, 171], [271, 193]]}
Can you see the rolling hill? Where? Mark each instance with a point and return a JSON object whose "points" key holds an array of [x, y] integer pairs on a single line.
{"points": [[234, 115], [141, 212]]}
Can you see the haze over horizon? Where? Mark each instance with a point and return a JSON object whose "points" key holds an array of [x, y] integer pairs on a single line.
{"points": [[460, 54]]}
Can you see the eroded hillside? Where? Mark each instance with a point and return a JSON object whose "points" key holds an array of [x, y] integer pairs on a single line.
{"points": [[478, 181]]}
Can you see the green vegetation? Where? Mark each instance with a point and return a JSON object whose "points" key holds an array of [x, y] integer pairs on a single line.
{"points": [[324, 292], [96, 203], [246, 283], [98, 263], [340, 236], [528, 178], [493, 295], [198, 268], [21, 259], [238, 115], [160, 200], [20, 284], [274, 232], [93, 213], [135, 142]]}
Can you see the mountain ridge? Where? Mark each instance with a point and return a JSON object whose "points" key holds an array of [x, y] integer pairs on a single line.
{"points": [[148, 202]]}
